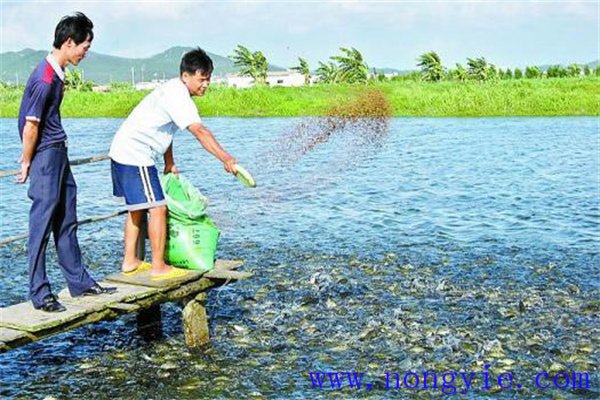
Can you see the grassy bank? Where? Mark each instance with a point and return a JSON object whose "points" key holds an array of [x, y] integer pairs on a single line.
{"points": [[526, 97]]}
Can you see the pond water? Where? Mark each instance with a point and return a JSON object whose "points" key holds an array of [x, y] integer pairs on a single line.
{"points": [[444, 245]]}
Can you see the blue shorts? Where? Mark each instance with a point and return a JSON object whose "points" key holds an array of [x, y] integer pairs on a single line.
{"points": [[139, 185]]}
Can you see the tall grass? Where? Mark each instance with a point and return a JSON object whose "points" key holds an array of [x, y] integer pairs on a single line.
{"points": [[524, 97]]}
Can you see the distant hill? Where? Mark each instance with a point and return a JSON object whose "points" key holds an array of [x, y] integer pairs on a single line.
{"points": [[390, 71], [592, 64], [102, 68]]}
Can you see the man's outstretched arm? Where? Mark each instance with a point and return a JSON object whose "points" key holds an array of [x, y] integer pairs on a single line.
{"points": [[210, 144]]}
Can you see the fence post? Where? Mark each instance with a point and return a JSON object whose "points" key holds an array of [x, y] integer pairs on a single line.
{"points": [[148, 319]]}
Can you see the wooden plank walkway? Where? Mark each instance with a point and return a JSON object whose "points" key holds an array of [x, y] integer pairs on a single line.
{"points": [[21, 323]]}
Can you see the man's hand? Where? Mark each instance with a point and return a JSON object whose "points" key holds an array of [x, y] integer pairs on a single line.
{"points": [[171, 168], [30, 135], [24, 174], [228, 164]]}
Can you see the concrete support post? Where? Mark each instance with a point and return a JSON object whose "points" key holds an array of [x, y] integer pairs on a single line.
{"points": [[195, 322]]}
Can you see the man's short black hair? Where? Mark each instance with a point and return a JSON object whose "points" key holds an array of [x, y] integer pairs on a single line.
{"points": [[196, 60], [77, 27]]}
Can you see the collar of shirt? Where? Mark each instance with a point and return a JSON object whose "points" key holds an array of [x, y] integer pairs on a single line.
{"points": [[182, 86], [59, 71]]}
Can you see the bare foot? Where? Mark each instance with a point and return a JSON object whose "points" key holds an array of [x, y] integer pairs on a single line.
{"points": [[130, 266], [161, 269]]}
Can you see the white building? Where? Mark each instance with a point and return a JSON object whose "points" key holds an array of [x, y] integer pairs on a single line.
{"points": [[280, 78], [148, 85], [285, 78], [240, 82]]}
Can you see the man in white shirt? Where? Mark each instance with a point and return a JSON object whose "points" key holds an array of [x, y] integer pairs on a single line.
{"points": [[149, 131]]}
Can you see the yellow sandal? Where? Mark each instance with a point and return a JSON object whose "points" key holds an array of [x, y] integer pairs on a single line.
{"points": [[144, 266], [176, 273]]}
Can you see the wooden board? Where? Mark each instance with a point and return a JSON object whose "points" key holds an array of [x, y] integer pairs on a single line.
{"points": [[144, 278], [21, 323], [8, 335], [227, 274], [26, 318], [124, 294], [228, 264]]}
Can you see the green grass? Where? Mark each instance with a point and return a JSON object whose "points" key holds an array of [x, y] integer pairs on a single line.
{"points": [[525, 97]]}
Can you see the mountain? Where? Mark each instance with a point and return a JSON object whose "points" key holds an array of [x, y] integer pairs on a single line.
{"points": [[16, 66], [102, 68], [593, 64], [390, 71]]}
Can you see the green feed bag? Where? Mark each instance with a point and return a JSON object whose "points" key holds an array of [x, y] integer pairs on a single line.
{"points": [[192, 236], [185, 202]]}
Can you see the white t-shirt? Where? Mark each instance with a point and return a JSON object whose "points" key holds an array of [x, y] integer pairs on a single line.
{"points": [[149, 129]]}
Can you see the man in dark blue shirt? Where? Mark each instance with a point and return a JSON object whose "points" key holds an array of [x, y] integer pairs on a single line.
{"points": [[44, 159]]}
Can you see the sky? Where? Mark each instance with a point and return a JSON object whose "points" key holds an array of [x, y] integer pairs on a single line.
{"points": [[388, 33]]}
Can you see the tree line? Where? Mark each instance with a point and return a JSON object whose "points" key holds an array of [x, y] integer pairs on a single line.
{"points": [[350, 67], [479, 69]]}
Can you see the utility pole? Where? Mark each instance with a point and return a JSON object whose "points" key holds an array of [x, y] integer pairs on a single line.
{"points": [[132, 77]]}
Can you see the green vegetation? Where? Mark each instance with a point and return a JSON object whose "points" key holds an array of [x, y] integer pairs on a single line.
{"points": [[479, 69], [431, 67], [514, 97], [74, 81], [479, 89], [350, 67], [117, 103], [253, 64]]}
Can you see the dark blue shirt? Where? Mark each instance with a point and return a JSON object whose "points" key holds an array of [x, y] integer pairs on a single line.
{"points": [[41, 102]]}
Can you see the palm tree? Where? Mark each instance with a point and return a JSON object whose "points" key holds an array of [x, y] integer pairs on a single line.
{"points": [[479, 69], [574, 70], [74, 81], [262, 67], [460, 73], [494, 72], [252, 64], [352, 66], [244, 58], [303, 69], [533, 72], [556, 71], [328, 73], [518, 73], [431, 67]]}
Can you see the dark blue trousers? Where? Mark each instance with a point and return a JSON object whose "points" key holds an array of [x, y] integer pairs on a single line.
{"points": [[53, 191]]}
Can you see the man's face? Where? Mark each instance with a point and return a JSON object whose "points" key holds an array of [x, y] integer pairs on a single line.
{"points": [[196, 83], [77, 52]]}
